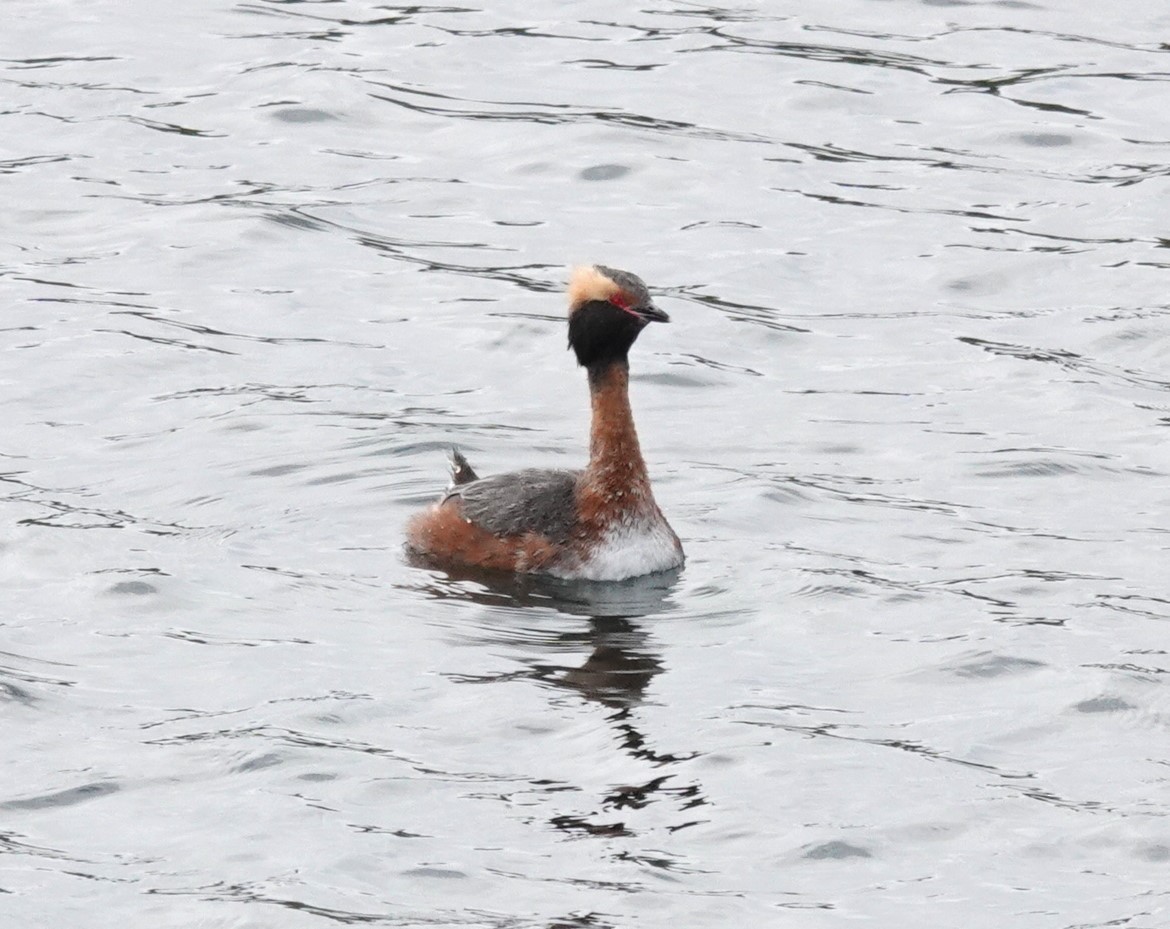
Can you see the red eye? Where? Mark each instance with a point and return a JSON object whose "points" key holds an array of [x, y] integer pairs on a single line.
{"points": [[621, 301]]}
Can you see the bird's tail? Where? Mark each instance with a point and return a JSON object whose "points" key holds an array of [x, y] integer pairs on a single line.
{"points": [[461, 471]]}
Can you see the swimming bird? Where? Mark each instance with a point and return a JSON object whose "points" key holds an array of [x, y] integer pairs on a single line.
{"points": [[599, 523]]}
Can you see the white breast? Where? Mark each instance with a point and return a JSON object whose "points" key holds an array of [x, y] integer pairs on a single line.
{"points": [[629, 549]]}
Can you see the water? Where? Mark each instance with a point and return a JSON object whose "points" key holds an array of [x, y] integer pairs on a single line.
{"points": [[263, 262]]}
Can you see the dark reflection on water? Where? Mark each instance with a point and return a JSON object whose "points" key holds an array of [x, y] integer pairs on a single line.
{"points": [[619, 668], [622, 660], [621, 664]]}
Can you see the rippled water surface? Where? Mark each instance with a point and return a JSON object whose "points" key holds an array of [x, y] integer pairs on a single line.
{"points": [[262, 262]]}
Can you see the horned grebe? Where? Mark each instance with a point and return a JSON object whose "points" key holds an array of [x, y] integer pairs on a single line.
{"points": [[598, 524]]}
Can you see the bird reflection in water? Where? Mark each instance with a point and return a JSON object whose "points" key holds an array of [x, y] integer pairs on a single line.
{"points": [[622, 661], [620, 667], [621, 664]]}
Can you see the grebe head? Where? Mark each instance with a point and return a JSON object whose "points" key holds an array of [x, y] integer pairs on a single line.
{"points": [[607, 310]]}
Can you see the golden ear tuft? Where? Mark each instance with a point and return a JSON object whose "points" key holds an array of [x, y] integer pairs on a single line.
{"points": [[587, 283]]}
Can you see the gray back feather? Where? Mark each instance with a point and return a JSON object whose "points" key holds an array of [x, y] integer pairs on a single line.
{"points": [[533, 500]]}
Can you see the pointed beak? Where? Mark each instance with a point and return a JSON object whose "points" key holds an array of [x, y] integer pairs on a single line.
{"points": [[652, 314]]}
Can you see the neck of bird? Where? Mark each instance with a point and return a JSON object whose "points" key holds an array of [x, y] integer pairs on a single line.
{"points": [[614, 454]]}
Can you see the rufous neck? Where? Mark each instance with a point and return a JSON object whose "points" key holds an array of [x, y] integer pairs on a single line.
{"points": [[613, 440]]}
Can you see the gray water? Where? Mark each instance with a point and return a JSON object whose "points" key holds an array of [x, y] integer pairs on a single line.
{"points": [[262, 262]]}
